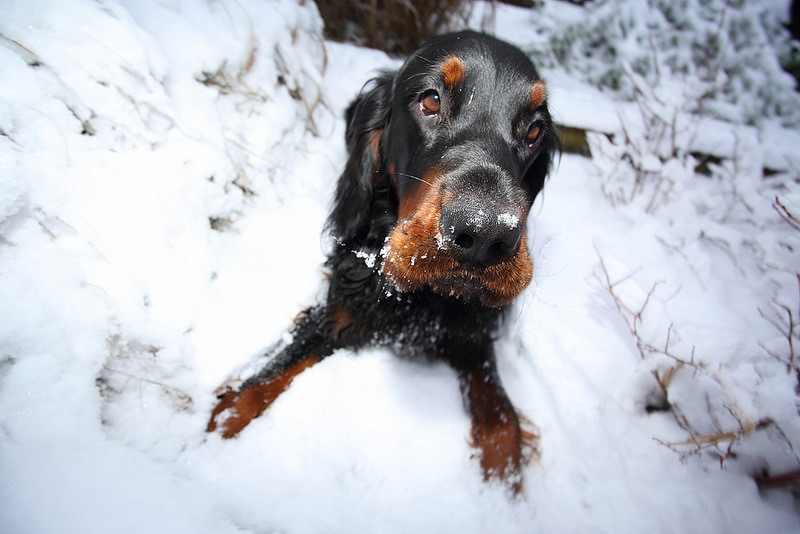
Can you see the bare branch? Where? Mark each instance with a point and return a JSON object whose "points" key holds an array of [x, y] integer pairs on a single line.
{"points": [[785, 214]]}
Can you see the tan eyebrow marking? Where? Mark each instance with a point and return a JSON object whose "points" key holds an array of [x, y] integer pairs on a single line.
{"points": [[538, 94], [452, 71]]}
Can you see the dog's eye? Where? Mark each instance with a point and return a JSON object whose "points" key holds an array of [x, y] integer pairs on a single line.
{"points": [[533, 134], [429, 103]]}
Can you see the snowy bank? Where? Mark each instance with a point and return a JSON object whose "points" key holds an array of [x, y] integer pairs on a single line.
{"points": [[166, 169]]}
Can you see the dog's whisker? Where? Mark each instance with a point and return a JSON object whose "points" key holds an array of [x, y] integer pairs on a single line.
{"points": [[414, 178]]}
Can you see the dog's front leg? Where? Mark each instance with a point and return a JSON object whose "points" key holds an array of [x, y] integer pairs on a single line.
{"points": [[496, 429], [237, 407]]}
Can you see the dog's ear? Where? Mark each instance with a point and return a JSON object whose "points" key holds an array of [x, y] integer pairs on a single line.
{"points": [[367, 117]]}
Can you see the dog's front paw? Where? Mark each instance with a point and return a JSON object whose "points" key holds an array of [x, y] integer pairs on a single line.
{"points": [[506, 447], [235, 409]]}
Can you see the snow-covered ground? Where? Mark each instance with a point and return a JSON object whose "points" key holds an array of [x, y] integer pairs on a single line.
{"points": [[165, 169]]}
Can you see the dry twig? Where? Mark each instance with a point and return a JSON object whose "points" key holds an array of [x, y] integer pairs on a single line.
{"points": [[722, 440]]}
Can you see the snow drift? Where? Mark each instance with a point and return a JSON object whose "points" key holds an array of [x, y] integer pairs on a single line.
{"points": [[166, 168]]}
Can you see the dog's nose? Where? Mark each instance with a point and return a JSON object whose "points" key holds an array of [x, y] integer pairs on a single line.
{"points": [[481, 235]]}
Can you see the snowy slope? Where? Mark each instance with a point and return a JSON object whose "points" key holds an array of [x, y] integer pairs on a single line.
{"points": [[165, 168]]}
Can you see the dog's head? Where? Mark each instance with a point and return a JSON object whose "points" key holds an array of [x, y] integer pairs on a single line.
{"points": [[446, 158]]}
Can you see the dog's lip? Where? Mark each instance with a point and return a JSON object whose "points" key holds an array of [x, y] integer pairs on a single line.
{"points": [[468, 289], [458, 279], [462, 281], [465, 284]]}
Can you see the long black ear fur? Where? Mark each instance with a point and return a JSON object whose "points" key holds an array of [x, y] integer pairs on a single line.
{"points": [[367, 116]]}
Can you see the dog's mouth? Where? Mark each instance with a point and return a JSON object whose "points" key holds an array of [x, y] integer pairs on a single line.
{"points": [[497, 285], [415, 255], [464, 285]]}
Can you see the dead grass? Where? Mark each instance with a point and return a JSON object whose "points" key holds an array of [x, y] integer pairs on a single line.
{"points": [[396, 26]]}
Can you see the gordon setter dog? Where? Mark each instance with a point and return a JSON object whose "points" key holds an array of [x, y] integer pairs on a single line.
{"points": [[446, 156]]}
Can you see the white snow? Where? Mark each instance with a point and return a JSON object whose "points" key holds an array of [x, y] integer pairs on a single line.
{"points": [[369, 258], [508, 219], [165, 172]]}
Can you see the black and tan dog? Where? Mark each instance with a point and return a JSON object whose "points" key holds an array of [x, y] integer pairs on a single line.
{"points": [[429, 217]]}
